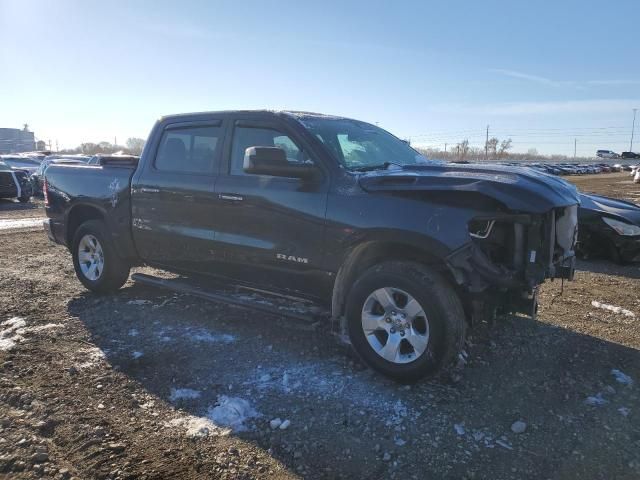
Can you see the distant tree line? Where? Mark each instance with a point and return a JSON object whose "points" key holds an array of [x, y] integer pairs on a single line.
{"points": [[132, 146], [494, 150]]}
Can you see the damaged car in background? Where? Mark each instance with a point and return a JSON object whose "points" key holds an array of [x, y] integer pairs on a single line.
{"points": [[14, 183], [400, 252], [609, 228]]}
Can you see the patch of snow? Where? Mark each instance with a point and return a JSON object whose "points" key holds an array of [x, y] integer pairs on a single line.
{"points": [[285, 424], [93, 356], [232, 412], [139, 302], [624, 411], [9, 335], [8, 224], [15, 329], [400, 442], [206, 336], [133, 332], [459, 428], [613, 308], [136, 354], [275, 423], [518, 426], [622, 377], [197, 427], [39, 328], [7, 344], [398, 415], [183, 394], [328, 381], [504, 444], [13, 324], [596, 400], [163, 303]]}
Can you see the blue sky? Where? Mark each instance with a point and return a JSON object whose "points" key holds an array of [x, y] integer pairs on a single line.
{"points": [[542, 72]]}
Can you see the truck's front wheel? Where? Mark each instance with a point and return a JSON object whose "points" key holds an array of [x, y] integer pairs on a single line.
{"points": [[404, 320], [95, 260]]}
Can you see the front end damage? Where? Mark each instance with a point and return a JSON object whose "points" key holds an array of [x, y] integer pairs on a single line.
{"points": [[521, 224], [510, 255]]}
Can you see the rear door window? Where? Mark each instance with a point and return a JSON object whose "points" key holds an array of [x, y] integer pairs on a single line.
{"points": [[190, 150]]}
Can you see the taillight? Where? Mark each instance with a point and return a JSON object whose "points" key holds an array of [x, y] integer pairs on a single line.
{"points": [[45, 192]]}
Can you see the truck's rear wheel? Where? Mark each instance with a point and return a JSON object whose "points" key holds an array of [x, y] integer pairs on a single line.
{"points": [[405, 320], [95, 260]]}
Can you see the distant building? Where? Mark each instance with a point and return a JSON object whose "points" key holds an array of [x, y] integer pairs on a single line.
{"points": [[14, 140]]}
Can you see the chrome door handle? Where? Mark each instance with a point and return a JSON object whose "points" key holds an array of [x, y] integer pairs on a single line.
{"points": [[149, 190], [230, 198]]}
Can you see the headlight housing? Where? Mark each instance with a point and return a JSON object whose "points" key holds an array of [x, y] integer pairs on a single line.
{"points": [[622, 228]]}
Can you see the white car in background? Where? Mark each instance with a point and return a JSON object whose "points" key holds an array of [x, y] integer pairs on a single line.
{"points": [[607, 154]]}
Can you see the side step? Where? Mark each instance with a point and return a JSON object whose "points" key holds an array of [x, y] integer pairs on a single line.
{"points": [[276, 305]]}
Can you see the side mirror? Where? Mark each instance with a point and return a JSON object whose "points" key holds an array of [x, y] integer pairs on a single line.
{"points": [[273, 161]]}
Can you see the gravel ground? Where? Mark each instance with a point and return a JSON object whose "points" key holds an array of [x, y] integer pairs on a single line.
{"points": [[146, 384]]}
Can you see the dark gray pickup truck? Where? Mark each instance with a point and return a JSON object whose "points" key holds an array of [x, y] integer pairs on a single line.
{"points": [[402, 252]]}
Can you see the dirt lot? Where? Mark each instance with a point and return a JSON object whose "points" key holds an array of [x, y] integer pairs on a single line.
{"points": [[140, 384]]}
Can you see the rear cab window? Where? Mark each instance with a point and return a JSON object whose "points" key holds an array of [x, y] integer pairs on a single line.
{"points": [[190, 149]]}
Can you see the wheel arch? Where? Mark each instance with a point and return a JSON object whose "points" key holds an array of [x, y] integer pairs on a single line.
{"points": [[366, 254], [79, 214]]}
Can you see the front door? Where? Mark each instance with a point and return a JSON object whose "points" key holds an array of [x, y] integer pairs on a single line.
{"points": [[271, 229]]}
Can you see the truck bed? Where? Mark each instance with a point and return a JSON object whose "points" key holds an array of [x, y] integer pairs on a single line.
{"points": [[75, 191]]}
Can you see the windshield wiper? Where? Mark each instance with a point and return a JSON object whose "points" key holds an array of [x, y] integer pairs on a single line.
{"points": [[369, 168]]}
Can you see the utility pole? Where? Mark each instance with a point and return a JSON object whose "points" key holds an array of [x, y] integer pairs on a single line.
{"points": [[115, 141], [57, 149], [486, 146], [445, 148], [575, 147], [633, 127]]}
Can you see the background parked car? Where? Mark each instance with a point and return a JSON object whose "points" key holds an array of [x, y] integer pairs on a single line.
{"points": [[14, 183], [100, 158], [607, 154], [27, 164], [608, 227], [630, 155], [37, 177]]}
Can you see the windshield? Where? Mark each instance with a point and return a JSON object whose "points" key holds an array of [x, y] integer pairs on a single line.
{"points": [[361, 146]]}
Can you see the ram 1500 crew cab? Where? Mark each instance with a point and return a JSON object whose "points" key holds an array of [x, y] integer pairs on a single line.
{"points": [[404, 252]]}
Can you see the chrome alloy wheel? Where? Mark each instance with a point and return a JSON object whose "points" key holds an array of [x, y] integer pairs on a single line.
{"points": [[395, 325], [90, 257]]}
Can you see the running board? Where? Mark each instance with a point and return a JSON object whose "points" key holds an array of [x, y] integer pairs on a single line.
{"points": [[255, 300]]}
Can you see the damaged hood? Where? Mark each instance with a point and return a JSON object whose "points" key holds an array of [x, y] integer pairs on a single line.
{"points": [[518, 188], [610, 207]]}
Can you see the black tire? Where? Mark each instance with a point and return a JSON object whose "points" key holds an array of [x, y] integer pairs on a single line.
{"points": [[115, 271], [441, 306], [23, 199], [613, 253]]}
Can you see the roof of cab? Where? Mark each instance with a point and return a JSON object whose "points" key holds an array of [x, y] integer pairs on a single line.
{"points": [[289, 113]]}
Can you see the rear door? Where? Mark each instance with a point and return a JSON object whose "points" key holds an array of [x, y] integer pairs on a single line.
{"points": [[173, 196], [271, 229]]}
